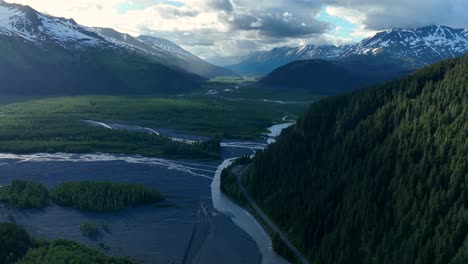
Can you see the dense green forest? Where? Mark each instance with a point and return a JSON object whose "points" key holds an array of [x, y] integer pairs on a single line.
{"points": [[17, 246], [376, 176], [103, 196], [14, 243], [24, 194]]}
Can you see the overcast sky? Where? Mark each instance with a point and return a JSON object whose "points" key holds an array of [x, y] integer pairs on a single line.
{"points": [[217, 30]]}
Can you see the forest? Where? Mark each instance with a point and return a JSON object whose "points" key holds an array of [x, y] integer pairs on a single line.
{"points": [[229, 181], [103, 196], [376, 176], [17, 246]]}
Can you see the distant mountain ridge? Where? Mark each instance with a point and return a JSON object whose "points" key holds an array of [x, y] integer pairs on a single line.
{"points": [[333, 77], [263, 62], [414, 47], [78, 59], [164, 51]]}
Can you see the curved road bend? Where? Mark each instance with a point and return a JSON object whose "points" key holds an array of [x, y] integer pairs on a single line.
{"points": [[267, 220]]}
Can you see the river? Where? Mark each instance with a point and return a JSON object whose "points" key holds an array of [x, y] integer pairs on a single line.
{"points": [[203, 226]]}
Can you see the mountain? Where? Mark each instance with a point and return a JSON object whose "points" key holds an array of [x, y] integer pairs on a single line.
{"points": [[333, 77], [163, 51], [378, 175], [265, 62], [42, 54], [419, 46], [413, 47]]}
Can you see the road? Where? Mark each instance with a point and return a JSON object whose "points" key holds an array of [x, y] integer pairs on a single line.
{"points": [[267, 220]]}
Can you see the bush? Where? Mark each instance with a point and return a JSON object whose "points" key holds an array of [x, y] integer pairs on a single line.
{"points": [[24, 194], [89, 229]]}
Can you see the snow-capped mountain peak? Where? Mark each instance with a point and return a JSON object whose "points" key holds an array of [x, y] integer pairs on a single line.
{"points": [[425, 44], [24, 22]]}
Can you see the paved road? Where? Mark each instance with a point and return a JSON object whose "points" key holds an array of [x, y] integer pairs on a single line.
{"points": [[267, 220]]}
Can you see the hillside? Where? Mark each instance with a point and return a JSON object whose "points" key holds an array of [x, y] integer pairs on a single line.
{"points": [[332, 77], [46, 55], [377, 175], [27, 69], [163, 51]]}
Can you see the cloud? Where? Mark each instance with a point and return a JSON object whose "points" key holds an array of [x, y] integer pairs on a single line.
{"points": [[233, 28], [385, 14], [222, 5], [171, 12], [279, 24]]}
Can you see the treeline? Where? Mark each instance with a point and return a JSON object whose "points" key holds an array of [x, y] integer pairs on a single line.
{"points": [[376, 176], [86, 195], [206, 149], [17, 246], [35, 136], [103, 196]]}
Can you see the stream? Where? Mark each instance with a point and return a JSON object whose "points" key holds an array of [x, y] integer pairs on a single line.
{"points": [[197, 224]]}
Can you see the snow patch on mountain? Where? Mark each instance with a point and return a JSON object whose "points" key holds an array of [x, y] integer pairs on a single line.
{"points": [[165, 45], [24, 22]]}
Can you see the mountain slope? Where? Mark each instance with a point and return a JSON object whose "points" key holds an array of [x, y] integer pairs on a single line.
{"points": [[333, 77], [379, 175], [163, 51], [41, 54], [413, 47], [28, 69]]}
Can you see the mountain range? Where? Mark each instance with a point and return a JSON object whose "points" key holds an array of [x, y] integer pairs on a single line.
{"points": [[415, 48], [79, 59], [264, 62]]}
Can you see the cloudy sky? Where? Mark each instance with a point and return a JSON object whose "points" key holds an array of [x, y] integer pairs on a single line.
{"points": [[223, 30]]}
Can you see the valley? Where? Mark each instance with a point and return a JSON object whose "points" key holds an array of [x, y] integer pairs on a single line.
{"points": [[190, 227], [194, 217], [234, 132]]}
